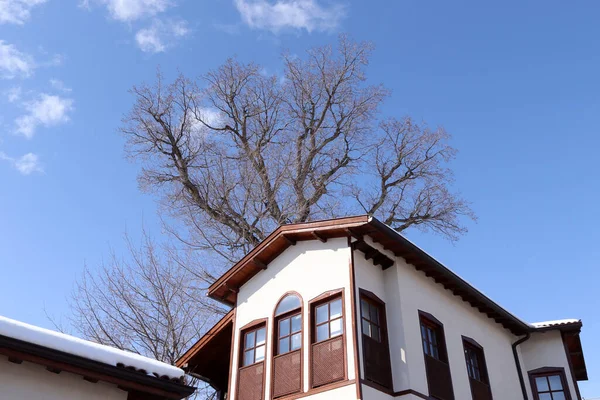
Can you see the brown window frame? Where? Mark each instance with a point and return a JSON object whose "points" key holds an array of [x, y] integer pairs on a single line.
{"points": [[546, 372], [480, 386], [253, 326], [441, 358], [384, 370], [313, 304], [275, 351], [254, 330]]}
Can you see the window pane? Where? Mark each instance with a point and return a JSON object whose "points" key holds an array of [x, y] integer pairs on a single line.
{"points": [[558, 395], [250, 340], [375, 333], [336, 327], [423, 332], [555, 382], [545, 396], [288, 303], [374, 314], [284, 327], [434, 352], [364, 307], [366, 328], [322, 313], [296, 341], [260, 336], [432, 337], [249, 357], [426, 347], [336, 309], [260, 353], [542, 384], [284, 345], [296, 323], [322, 332]]}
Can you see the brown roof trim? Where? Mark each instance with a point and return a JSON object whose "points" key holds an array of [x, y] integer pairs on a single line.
{"points": [[205, 339], [283, 237], [224, 289], [126, 378]]}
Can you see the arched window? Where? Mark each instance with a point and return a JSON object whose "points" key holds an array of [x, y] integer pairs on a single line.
{"points": [[287, 351]]}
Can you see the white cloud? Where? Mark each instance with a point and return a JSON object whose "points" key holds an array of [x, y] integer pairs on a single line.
{"points": [[60, 85], [131, 10], [13, 94], [17, 11], [46, 110], [294, 14], [160, 35], [26, 164], [14, 63]]}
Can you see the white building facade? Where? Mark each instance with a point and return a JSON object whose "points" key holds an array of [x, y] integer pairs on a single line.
{"points": [[349, 309]]}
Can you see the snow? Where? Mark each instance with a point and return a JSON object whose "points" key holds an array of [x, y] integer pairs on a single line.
{"points": [[84, 348], [546, 324]]}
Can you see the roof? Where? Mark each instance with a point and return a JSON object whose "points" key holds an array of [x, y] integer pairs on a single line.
{"points": [[209, 358], [559, 323], [226, 287], [58, 351], [84, 348]]}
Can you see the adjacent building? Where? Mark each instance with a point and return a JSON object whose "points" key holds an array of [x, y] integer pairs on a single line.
{"points": [[350, 309], [40, 364]]}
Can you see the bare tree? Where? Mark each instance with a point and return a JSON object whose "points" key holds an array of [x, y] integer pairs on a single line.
{"points": [[236, 152], [145, 303]]}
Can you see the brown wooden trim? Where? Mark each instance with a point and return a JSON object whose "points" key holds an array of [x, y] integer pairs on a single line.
{"points": [[427, 317], [381, 234], [545, 371], [571, 370], [324, 295], [383, 328], [467, 341], [312, 304], [320, 389], [275, 339], [400, 393], [187, 356], [231, 355], [118, 376], [354, 311], [472, 342], [253, 323], [291, 229]]}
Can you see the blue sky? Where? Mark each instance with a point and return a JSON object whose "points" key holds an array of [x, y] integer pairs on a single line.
{"points": [[515, 83]]}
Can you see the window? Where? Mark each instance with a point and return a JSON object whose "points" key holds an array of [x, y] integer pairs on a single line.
{"points": [[328, 356], [329, 321], [376, 353], [252, 366], [437, 369], [290, 334], [287, 359], [549, 384], [476, 370], [254, 346]]}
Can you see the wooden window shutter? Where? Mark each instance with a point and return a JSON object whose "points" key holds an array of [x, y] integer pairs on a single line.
{"points": [[251, 379], [376, 352], [439, 379]]}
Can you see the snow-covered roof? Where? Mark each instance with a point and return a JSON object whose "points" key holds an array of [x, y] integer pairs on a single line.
{"points": [[86, 349], [558, 322]]}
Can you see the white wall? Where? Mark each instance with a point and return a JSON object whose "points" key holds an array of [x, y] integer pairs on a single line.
{"points": [[33, 382], [309, 268], [405, 291], [545, 350]]}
